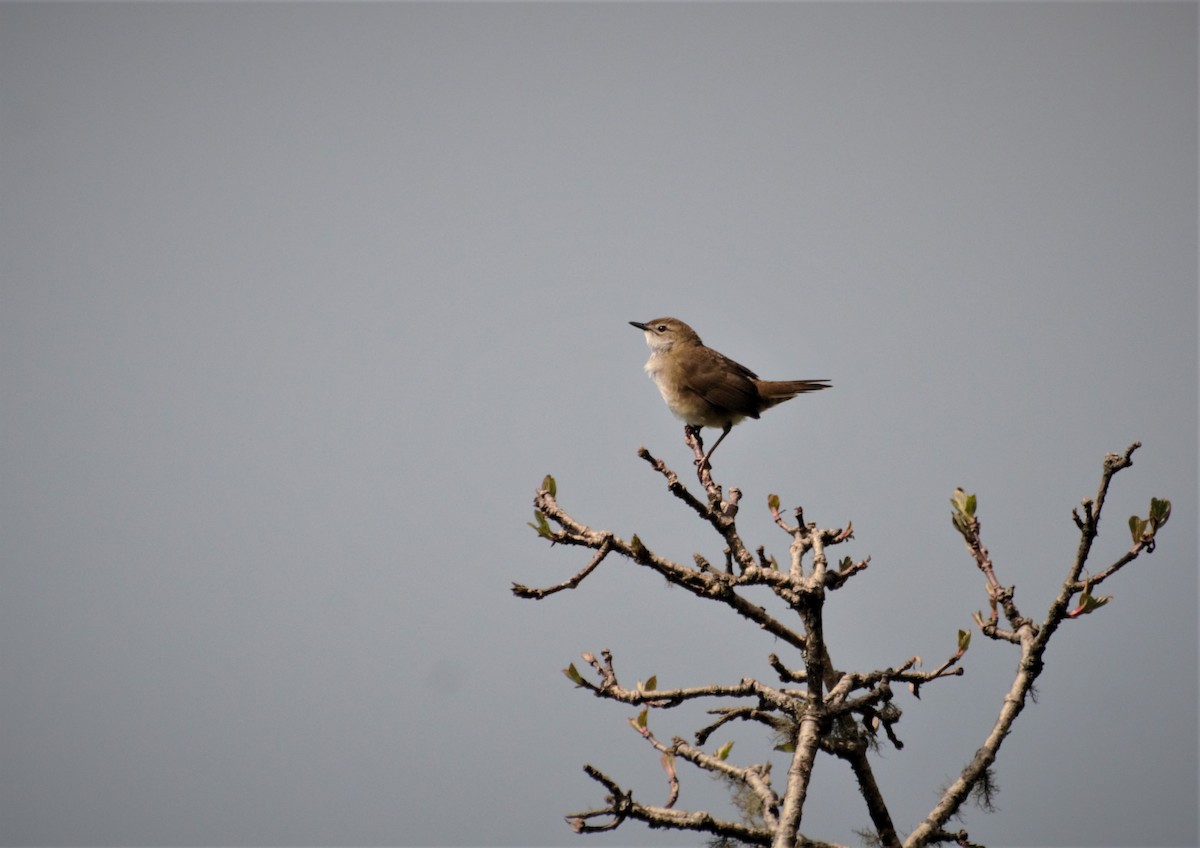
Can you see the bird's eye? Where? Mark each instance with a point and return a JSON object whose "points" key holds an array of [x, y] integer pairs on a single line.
{"points": [[662, 328]]}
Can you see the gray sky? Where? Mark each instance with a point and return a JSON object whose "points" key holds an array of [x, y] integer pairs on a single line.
{"points": [[300, 302]]}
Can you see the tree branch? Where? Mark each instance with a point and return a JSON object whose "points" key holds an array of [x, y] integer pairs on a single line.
{"points": [[1031, 639], [525, 592], [839, 713]]}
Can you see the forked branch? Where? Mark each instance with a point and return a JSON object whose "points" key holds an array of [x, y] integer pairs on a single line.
{"points": [[813, 708]]}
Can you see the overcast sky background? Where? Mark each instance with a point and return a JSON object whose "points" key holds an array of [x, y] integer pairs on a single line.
{"points": [[300, 302]]}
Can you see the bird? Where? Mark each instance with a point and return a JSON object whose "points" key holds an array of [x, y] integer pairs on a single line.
{"points": [[705, 388]]}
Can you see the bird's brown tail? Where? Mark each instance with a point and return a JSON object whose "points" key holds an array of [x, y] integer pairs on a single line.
{"points": [[777, 391]]}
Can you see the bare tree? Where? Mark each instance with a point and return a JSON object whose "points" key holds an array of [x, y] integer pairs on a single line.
{"points": [[816, 708]]}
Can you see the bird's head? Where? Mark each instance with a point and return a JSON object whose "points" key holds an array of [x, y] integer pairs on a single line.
{"points": [[664, 333]]}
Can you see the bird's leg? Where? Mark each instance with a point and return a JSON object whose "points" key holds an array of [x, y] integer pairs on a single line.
{"points": [[704, 463]]}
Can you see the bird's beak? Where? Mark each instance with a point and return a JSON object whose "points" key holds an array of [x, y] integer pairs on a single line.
{"points": [[638, 324]]}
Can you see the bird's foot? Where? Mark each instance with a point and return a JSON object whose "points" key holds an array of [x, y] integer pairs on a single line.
{"points": [[691, 435]]}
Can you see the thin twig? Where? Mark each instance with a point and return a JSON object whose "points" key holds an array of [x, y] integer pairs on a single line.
{"points": [[522, 591]]}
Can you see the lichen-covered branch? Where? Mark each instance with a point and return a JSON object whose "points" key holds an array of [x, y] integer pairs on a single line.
{"points": [[1032, 639]]}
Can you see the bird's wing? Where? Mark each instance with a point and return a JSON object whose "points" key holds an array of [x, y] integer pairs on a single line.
{"points": [[725, 384]]}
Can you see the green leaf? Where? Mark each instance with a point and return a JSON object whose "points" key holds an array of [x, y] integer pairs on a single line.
{"points": [[1137, 528], [786, 747], [641, 719], [542, 527], [650, 684], [1088, 603], [549, 485], [964, 505], [573, 674], [723, 751], [1160, 511], [773, 502], [964, 640]]}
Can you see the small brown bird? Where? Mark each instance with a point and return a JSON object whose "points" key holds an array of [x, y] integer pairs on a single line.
{"points": [[706, 388]]}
